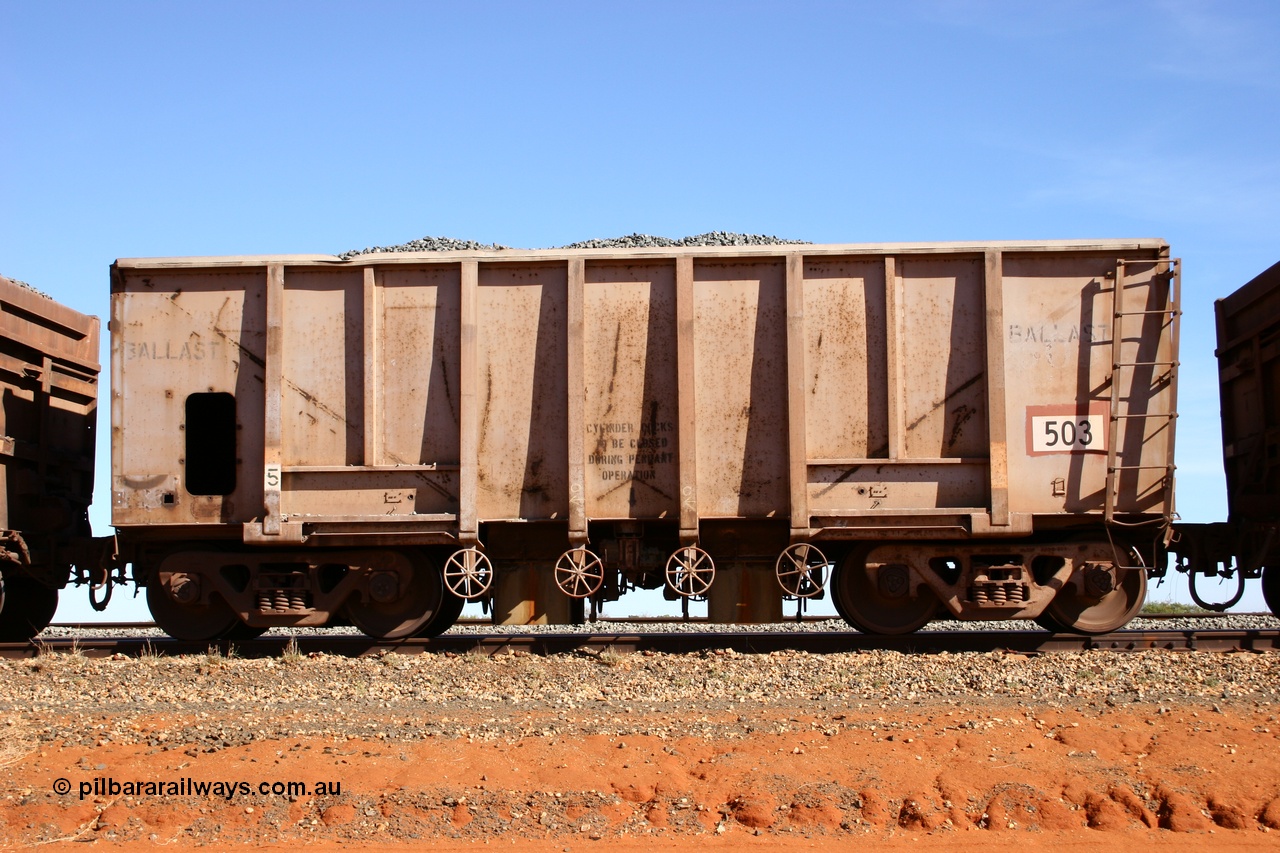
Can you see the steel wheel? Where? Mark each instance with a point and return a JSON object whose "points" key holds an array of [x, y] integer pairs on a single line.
{"points": [[398, 601], [188, 619], [468, 573], [579, 573], [450, 610], [877, 603], [26, 608], [394, 609], [801, 570], [1100, 612], [690, 572], [1271, 588]]}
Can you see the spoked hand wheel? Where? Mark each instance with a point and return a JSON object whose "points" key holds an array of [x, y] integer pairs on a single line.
{"points": [[690, 572], [468, 573], [579, 573], [801, 570]]}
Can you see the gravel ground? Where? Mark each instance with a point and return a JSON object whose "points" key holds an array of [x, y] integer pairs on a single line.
{"points": [[516, 695], [327, 694], [528, 750], [630, 241]]}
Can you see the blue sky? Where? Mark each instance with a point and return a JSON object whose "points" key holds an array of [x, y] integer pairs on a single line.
{"points": [[146, 129]]}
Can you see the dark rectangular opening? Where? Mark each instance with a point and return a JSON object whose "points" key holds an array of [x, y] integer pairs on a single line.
{"points": [[211, 444]]}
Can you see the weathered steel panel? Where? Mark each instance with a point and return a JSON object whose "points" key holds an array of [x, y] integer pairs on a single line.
{"points": [[877, 486], [522, 448], [418, 401], [894, 345], [944, 377], [846, 366], [1058, 353], [381, 493], [323, 368], [1058, 313], [741, 368], [632, 411], [179, 333]]}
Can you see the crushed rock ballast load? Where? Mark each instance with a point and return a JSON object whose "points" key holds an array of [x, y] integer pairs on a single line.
{"points": [[630, 241]]}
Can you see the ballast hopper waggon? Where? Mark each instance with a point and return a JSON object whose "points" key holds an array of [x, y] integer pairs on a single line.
{"points": [[984, 431]]}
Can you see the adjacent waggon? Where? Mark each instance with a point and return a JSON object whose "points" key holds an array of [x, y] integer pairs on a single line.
{"points": [[984, 431], [1247, 545], [49, 383]]}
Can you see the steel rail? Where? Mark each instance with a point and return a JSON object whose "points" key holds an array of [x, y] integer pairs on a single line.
{"points": [[745, 642]]}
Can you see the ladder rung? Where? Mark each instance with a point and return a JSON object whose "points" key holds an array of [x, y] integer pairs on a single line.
{"points": [[1167, 270]]}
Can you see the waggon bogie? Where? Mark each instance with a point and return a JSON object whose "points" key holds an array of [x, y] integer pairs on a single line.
{"points": [[387, 593], [1084, 586]]}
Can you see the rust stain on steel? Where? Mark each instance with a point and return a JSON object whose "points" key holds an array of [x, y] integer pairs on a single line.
{"points": [[444, 377], [425, 478], [613, 372], [217, 330], [315, 401], [437, 488], [962, 414], [882, 450], [488, 407], [950, 396], [838, 480], [533, 486]]}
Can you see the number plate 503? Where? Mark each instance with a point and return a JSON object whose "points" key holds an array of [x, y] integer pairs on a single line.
{"points": [[1063, 429]]}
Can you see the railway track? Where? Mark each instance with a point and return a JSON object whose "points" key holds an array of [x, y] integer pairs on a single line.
{"points": [[474, 622], [745, 642], [1207, 616]]}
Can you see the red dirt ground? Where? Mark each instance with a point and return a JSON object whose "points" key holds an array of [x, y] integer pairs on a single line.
{"points": [[1201, 778]]}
